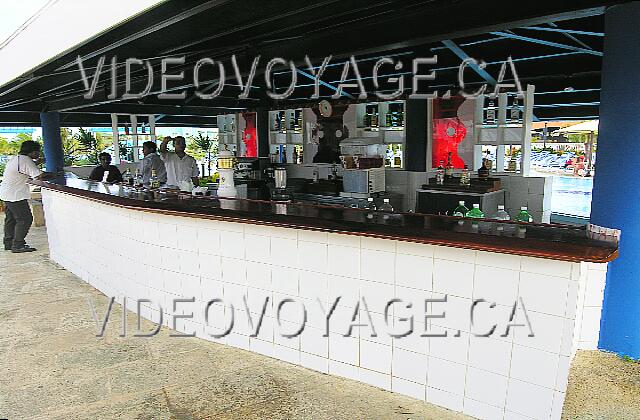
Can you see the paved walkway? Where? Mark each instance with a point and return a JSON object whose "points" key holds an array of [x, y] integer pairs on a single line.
{"points": [[54, 367]]}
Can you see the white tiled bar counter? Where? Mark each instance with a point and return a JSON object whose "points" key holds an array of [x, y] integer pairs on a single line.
{"points": [[138, 254]]}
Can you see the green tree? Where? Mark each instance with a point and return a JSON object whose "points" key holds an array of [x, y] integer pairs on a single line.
{"points": [[72, 149], [203, 147], [91, 145], [9, 147], [20, 137]]}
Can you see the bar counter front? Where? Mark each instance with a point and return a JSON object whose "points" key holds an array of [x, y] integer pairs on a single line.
{"points": [[478, 316]]}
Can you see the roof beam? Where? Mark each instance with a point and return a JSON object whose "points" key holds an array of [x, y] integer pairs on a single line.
{"points": [[515, 60], [565, 31], [323, 83], [548, 43], [464, 56], [168, 110], [571, 37], [567, 105]]}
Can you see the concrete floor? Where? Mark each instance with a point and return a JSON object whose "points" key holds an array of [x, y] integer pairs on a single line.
{"points": [[54, 367]]}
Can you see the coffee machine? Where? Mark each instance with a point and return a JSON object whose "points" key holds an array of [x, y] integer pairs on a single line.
{"points": [[226, 165]]}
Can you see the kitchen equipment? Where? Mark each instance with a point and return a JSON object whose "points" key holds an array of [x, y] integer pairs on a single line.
{"points": [[226, 165], [247, 168], [363, 180], [280, 175], [280, 192]]}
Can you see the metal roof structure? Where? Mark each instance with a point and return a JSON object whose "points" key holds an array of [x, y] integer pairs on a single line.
{"points": [[555, 45]]}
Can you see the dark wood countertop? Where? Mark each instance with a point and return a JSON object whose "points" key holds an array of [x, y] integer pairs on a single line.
{"points": [[557, 242]]}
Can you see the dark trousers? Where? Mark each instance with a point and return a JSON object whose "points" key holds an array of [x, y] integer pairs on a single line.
{"points": [[17, 221]]}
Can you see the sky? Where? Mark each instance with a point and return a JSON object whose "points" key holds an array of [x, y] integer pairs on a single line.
{"points": [[15, 13], [59, 26]]}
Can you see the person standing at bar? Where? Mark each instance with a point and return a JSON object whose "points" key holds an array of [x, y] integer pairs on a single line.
{"points": [[180, 166], [152, 162], [15, 193], [105, 166]]}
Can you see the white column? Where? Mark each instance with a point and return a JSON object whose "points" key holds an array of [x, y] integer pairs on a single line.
{"points": [[134, 136], [116, 138], [527, 122]]}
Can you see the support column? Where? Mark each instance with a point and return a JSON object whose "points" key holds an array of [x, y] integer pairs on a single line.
{"points": [[615, 191], [53, 152], [262, 129], [415, 153]]}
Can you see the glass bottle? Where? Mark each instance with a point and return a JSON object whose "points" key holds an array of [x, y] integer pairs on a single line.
{"points": [[461, 210], [464, 178], [448, 170], [374, 119], [515, 112], [127, 178], [367, 120], [501, 214], [386, 206], [483, 172], [371, 207], [154, 181], [139, 178], [512, 166], [491, 113], [440, 173], [475, 212], [299, 119], [397, 158], [523, 216]]}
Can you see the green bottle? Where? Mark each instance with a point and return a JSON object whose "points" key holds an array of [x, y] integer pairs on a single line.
{"points": [[461, 210], [475, 212], [523, 216]]}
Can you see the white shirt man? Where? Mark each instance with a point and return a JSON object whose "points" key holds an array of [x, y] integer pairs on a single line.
{"points": [[15, 193], [17, 173], [180, 166]]}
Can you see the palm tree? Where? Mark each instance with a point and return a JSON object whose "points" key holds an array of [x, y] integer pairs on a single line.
{"points": [[206, 145], [70, 147], [89, 144]]}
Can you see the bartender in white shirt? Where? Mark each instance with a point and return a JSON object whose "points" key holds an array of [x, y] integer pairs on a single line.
{"points": [[180, 166], [15, 193]]}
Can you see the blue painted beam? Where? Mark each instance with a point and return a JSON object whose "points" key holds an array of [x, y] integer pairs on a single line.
{"points": [[323, 83], [515, 60], [567, 91], [571, 37], [466, 44], [574, 104], [566, 31], [463, 56], [590, 117], [548, 43]]}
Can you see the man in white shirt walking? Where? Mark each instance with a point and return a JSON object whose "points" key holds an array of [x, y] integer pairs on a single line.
{"points": [[180, 166], [15, 193]]}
